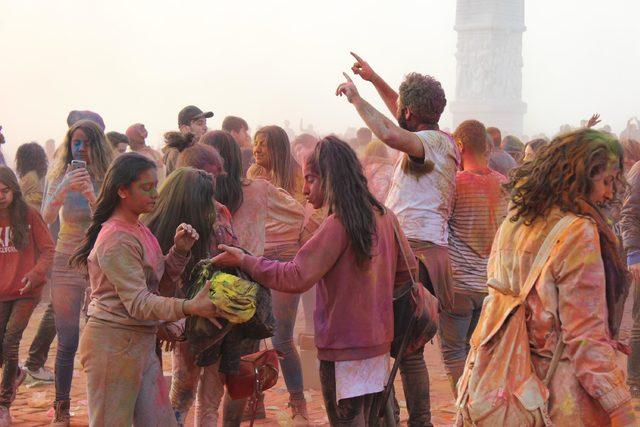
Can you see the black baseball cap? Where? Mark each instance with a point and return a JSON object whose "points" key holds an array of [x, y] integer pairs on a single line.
{"points": [[191, 113]]}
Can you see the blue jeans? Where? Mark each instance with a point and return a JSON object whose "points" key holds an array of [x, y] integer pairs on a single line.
{"points": [[39, 350], [456, 327], [67, 295], [285, 311]]}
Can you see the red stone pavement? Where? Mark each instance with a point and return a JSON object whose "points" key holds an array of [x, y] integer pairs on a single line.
{"points": [[32, 406]]}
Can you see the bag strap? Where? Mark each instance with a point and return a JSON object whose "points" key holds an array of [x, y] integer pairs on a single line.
{"points": [[545, 252], [538, 264], [405, 337]]}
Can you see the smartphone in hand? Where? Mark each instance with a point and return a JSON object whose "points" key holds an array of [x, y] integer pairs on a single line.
{"points": [[78, 164]]}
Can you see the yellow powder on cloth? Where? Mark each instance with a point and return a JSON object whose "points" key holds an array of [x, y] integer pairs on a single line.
{"points": [[234, 297]]}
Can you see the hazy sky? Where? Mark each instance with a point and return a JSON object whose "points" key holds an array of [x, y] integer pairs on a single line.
{"points": [[267, 61]]}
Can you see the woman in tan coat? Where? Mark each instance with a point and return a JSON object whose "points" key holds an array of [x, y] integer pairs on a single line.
{"points": [[579, 294]]}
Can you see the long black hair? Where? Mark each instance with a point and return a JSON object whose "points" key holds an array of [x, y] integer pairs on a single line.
{"points": [[18, 210], [345, 191], [229, 185], [123, 172], [186, 196]]}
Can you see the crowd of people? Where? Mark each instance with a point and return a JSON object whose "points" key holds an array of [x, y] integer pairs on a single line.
{"points": [[530, 250]]}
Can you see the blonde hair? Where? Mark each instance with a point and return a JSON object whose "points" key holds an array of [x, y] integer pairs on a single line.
{"points": [[100, 155]]}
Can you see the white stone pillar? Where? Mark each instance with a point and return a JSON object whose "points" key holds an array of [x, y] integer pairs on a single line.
{"points": [[489, 63]]}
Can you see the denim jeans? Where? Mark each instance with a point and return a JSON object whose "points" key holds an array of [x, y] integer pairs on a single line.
{"points": [[285, 311], [14, 317], [633, 362], [456, 327], [67, 296], [415, 382], [39, 350], [348, 412]]}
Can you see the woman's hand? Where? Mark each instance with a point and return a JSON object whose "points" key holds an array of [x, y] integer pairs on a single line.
{"points": [[185, 238], [75, 180], [201, 305], [28, 285], [229, 257], [87, 191]]}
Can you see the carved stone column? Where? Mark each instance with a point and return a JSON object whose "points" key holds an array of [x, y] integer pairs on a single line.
{"points": [[489, 63]]}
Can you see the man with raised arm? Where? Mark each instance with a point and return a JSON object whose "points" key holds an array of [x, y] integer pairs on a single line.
{"points": [[421, 192]]}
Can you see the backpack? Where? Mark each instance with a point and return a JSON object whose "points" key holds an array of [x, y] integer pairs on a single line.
{"points": [[499, 386]]}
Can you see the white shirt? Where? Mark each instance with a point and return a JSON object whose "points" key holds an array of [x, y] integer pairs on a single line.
{"points": [[423, 205]]}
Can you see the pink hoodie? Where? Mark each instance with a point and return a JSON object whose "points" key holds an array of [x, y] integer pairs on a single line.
{"points": [[354, 306]]}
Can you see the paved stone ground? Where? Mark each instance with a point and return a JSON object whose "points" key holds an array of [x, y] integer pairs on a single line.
{"points": [[32, 406]]}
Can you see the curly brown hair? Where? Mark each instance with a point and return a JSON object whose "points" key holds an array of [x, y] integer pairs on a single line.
{"points": [[424, 95], [561, 173]]}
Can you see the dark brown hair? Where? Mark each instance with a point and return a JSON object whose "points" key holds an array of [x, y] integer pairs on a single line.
{"points": [[229, 185], [186, 196], [31, 157], [123, 172], [346, 194], [424, 95], [18, 210], [233, 123]]}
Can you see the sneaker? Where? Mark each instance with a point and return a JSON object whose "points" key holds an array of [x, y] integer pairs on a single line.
{"points": [[41, 374], [5, 416]]}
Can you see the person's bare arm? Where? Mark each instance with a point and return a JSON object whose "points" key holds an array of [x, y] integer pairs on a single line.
{"points": [[388, 95], [387, 131]]}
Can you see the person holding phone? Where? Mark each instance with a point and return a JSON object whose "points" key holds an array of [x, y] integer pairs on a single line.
{"points": [[73, 181]]}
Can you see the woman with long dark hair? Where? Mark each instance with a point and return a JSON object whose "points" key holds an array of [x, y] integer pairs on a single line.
{"points": [[353, 256], [186, 196], [31, 166], [190, 379], [578, 297], [72, 183], [127, 271], [26, 256], [266, 220]]}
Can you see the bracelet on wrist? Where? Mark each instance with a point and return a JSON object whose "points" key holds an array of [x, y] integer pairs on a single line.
{"points": [[183, 303]]}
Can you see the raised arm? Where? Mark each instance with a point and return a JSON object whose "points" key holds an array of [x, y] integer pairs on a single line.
{"points": [[364, 70], [387, 131]]}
